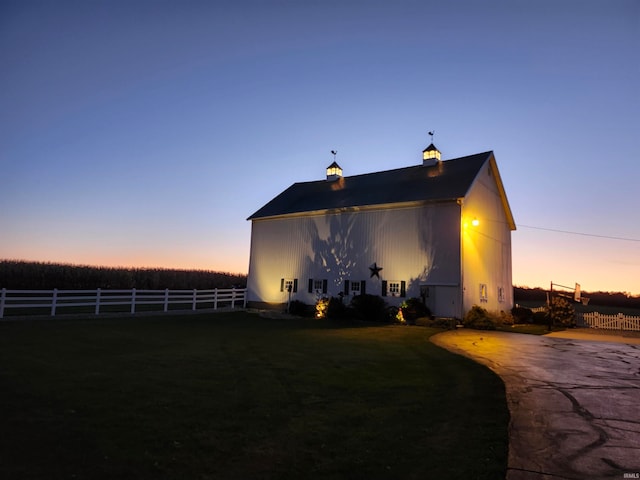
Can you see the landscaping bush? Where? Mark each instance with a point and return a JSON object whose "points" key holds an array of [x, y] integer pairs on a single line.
{"points": [[369, 307], [562, 312], [296, 307], [332, 308], [479, 318], [394, 315], [522, 315], [439, 322], [337, 309], [505, 318], [414, 308]]}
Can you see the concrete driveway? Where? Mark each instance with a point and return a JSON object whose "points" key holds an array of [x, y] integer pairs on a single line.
{"points": [[574, 403]]}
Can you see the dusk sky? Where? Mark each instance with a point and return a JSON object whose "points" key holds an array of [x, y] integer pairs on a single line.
{"points": [[144, 133]]}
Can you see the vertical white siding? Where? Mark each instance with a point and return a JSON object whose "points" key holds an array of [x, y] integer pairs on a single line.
{"points": [[487, 246], [419, 244]]}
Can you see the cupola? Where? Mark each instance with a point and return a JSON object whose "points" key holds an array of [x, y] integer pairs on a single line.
{"points": [[334, 171], [430, 156]]}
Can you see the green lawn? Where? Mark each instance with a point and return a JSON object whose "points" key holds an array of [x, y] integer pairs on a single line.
{"points": [[235, 396]]}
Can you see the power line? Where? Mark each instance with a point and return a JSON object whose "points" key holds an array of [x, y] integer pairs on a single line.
{"points": [[626, 239]]}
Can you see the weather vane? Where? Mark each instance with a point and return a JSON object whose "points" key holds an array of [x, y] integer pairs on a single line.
{"points": [[432, 133], [334, 153]]}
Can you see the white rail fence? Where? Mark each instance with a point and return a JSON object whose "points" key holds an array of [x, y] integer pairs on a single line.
{"points": [[52, 302], [608, 322]]}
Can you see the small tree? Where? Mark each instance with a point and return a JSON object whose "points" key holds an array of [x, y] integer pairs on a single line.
{"points": [[562, 312]]}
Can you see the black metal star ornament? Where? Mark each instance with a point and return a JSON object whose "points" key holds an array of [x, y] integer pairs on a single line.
{"points": [[375, 270]]}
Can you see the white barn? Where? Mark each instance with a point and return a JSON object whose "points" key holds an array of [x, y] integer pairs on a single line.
{"points": [[440, 230]]}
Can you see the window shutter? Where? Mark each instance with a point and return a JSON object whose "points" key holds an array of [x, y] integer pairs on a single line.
{"points": [[324, 286], [346, 287], [282, 284], [295, 285], [311, 285], [403, 288], [384, 288], [363, 287]]}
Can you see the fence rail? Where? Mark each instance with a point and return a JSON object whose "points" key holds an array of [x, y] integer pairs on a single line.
{"points": [[608, 322], [51, 302]]}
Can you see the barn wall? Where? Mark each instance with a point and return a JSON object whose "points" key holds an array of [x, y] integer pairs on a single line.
{"points": [[487, 246], [413, 245]]}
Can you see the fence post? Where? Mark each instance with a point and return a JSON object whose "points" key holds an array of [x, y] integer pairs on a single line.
{"points": [[195, 297], [133, 300], [166, 299], [97, 301], [215, 298], [244, 303], [3, 296], [54, 300], [233, 297]]}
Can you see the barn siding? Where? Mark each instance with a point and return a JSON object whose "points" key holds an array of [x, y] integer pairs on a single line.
{"points": [[487, 247], [412, 245]]}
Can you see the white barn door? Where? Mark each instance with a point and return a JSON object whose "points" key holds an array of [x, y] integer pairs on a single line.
{"points": [[442, 300]]}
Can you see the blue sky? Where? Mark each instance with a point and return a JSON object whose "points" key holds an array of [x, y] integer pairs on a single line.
{"points": [[144, 133]]}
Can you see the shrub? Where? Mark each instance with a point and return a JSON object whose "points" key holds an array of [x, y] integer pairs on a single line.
{"points": [[296, 307], [522, 315], [562, 312], [394, 315], [437, 322], [336, 309], [414, 308], [369, 307], [505, 318], [479, 318]]}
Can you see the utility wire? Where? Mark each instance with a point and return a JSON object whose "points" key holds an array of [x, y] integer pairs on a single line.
{"points": [[582, 233]]}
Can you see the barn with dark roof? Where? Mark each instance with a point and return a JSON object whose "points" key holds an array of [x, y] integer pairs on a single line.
{"points": [[439, 230]]}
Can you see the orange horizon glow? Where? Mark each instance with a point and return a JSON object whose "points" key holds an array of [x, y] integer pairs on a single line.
{"points": [[519, 280]]}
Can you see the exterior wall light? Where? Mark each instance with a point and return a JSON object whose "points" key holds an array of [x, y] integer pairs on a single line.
{"points": [[475, 222]]}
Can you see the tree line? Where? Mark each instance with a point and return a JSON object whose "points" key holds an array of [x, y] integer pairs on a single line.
{"points": [[17, 274], [610, 299]]}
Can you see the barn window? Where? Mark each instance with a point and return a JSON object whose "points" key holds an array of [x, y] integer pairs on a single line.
{"points": [[394, 288], [355, 287], [484, 296], [289, 285], [501, 294], [317, 285]]}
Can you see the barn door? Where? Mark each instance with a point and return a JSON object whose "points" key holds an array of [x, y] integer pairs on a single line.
{"points": [[442, 300]]}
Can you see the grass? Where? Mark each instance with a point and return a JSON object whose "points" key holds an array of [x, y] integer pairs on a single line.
{"points": [[236, 396]]}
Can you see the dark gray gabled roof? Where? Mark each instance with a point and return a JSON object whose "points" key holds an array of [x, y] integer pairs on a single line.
{"points": [[447, 180]]}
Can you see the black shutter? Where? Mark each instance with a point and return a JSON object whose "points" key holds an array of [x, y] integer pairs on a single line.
{"points": [[295, 285], [363, 287], [403, 288], [282, 284], [384, 288], [324, 286], [346, 287], [311, 285]]}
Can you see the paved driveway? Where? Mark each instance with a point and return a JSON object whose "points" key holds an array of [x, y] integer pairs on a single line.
{"points": [[575, 404]]}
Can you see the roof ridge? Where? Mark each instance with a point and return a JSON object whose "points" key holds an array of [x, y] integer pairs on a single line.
{"points": [[446, 179]]}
